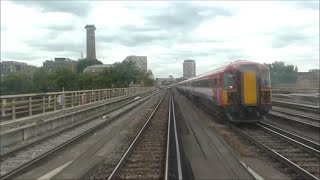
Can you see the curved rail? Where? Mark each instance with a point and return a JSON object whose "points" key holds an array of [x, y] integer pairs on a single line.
{"points": [[312, 144], [284, 149], [300, 117], [14, 171], [297, 106]]}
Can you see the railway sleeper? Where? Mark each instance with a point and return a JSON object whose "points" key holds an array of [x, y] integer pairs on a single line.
{"points": [[134, 177], [295, 155], [140, 171]]}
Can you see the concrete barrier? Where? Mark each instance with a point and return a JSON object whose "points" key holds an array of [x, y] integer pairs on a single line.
{"points": [[15, 131], [22, 105]]}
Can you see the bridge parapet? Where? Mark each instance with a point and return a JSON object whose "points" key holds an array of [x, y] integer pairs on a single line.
{"points": [[23, 105]]}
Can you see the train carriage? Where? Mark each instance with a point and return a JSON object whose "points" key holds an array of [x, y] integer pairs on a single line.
{"points": [[240, 90]]}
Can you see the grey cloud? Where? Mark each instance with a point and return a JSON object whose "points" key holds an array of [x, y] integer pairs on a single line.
{"points": [[184, 16], [19, 55], [64, 28], [286, 37], [78, 8], [166, 25], [57, 47], [136, 38]]}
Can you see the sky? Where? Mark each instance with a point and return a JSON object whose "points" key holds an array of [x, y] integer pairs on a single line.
{"points": [[213, 33]]}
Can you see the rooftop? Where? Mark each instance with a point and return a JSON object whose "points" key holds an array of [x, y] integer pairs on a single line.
{"points": [[189, 60], [101, 65]]}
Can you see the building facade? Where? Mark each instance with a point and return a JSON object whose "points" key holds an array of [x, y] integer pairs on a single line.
{"points": [[8, 67], [189, 68], [150, 74], [91, 42], [164, 81], [312, 76], [60, 63], [94, 69], [141, 61]]}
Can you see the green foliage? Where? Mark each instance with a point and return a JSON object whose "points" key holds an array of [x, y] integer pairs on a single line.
{"points": [[118, 76], [64, 78], [16, 84], [281, 73], [83, 63], [43, 81]]}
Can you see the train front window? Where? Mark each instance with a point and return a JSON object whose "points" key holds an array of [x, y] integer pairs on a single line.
{"points": [[228, 81], [265, 79]]}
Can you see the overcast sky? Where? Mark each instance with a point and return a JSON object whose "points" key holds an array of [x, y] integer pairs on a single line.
{"points": [[212, 33]]}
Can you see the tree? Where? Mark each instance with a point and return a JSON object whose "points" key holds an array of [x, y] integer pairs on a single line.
{"points": [[281, 73], [64, 78], [83, 63], [16, 84], [43, 81]]}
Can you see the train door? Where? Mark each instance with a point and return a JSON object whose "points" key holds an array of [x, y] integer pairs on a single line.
{"points": [[214, 88], [249, 86], [218, 90]]}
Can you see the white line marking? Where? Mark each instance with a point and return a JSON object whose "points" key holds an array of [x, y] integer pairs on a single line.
{"points": [[54, 172], [252, 172]]}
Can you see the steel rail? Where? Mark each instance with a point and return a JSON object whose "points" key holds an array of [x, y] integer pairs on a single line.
{"points": [[278, 156], [303, 107], [311, 118], [134, 142], [291, 140], [304, 122], [168, 143], [312, 144], [19, 169], [177, 142]]}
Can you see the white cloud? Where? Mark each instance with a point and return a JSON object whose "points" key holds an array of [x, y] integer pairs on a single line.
{"points": [[211, 32]]}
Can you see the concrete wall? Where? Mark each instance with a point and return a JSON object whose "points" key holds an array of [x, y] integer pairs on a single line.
{"points": [[46, 124]]}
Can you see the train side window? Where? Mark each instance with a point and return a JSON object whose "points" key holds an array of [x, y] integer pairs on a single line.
{"points": [[265, 79], [228, 81], [214, 83], [206, 83]]}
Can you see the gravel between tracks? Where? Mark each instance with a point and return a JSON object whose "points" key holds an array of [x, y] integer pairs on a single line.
{"points": [[102, 171], [147, 159]]}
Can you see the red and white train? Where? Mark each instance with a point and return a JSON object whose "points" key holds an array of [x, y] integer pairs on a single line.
{"points": [[240, 90]]}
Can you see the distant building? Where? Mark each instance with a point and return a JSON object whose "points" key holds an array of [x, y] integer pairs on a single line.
{"points": [[171, 77], [189, 68], [8, 67], [181, 79], [314, 70], [150, 74], [141, 61], [96, 68], [313, 76], [91, 42], [60, 63], [164, 81]]}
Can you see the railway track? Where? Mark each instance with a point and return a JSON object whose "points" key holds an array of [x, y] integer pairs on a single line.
{"points": [[298, 114], [19, 161], [303, 159], [148, 156], [297, 106], [307, 119]]}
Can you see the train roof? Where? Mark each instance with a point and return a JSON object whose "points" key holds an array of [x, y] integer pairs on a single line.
{"points": [[230, 65]]}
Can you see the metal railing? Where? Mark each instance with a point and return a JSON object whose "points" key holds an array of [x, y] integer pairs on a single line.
{"points": [[22, 105]]}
